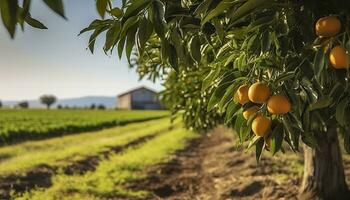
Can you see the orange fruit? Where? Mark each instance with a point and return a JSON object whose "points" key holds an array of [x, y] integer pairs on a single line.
{"points": [[259, 92], [328, 26], [338, 58], [261, 125], [250, 111], [242, 94], [278, 104]]}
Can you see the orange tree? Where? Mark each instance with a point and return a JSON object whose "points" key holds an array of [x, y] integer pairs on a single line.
{"points": [[275, 71]]}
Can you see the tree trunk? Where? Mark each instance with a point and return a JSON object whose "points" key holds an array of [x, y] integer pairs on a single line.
{"points": [[323, 170]]}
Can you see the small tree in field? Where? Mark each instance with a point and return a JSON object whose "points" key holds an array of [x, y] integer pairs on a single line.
{"points": [[101, 107], [23, 104], [0, 104], [275, 71], [48, 100], [93, 106]]}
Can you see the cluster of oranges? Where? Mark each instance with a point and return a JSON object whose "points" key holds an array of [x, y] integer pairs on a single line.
{"points": [[259, 93], [330, 26]]}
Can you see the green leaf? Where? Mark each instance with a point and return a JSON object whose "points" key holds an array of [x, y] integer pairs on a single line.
{"points": [[228, 96], [240, 121], [253, 141], [211, 77], [203, 7], [117, 12], [220, 8], [23, 12], [121, 44], [112, 35], [129, 23], [173, 58], [247, 8], [293, 135], [340, 111], [144, 33], [265, 42], [34, 23], [231, 110], [259, 147], [219, 92], [157, 18], [195, 49], [322, 103], [95, 25], [130, 41], [56, 6], [284, 76], [135, 6], [219, 29], [93, 37], [8, 9], [101, 6], [277, 136], [165, 49], [319, 63]]}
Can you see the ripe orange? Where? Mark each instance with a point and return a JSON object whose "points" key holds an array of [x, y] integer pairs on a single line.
{"points": [[242, 94], [338, 58], [278, 104], [328, 26], [250, 111], [261, 125], [259, 92]]}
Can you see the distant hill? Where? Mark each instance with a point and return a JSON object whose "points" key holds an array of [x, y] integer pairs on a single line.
{"points": [[108, 101]]}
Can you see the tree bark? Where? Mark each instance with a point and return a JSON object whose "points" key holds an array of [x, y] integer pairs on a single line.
{"points": [[323, 170]]}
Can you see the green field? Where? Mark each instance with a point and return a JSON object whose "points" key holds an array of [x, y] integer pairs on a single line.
{"points": [[20, 125], [111, 174]]}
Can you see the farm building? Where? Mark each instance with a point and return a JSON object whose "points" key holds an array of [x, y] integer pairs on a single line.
{"points": [[140, 98]]}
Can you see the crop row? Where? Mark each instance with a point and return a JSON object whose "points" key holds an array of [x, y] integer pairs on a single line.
{"points": [[22, 125]]}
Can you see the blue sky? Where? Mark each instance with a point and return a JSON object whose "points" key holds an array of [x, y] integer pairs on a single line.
{"points": [[56, 61]]}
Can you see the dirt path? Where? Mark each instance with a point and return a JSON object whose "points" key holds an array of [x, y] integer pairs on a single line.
{"points": [[211, 169]]}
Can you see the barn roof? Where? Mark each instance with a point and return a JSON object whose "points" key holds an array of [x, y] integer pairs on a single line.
{"points": [[135, 89]]}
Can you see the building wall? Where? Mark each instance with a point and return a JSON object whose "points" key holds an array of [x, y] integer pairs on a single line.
{"points": [[143, 95], [124, 102], [141, 99]]}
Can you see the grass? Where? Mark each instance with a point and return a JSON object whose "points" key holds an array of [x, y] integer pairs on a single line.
{"points": [[21, 125], [110, 175], [59, 151]]}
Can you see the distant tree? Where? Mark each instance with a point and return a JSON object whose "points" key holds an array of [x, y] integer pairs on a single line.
{"points": [[0, 104], [93, 106], [66, 107], [48, 100], [59, 106], [23, 104], [101, 107]]}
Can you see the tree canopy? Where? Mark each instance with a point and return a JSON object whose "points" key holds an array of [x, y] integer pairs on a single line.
{"points": [[205, 50], [48, 100]]}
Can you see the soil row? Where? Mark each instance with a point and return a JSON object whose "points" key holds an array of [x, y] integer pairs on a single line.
{"points": [[40, 176], [211, 168]]}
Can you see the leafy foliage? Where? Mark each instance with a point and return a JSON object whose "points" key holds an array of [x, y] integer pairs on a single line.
{"points": [[204, 50], [12, 13]]}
